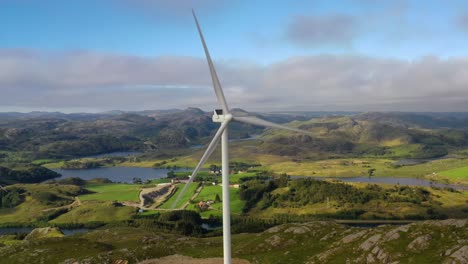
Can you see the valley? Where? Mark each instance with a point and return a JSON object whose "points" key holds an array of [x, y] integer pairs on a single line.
{"points": [[121, 173]]}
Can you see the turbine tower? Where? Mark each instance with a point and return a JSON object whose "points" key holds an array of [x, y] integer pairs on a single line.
{"points": [[224, 116]]}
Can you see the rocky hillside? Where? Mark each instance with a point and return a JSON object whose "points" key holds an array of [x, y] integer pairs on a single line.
{"points": [[315, 242], [55, 135]]}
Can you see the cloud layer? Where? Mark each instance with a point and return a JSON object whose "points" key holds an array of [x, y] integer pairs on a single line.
{"points": [[89, 81], [322, 30]]}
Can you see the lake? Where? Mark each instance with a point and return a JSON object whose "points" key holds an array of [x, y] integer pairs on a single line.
{"points": [[126, 174], [116, 174], [116, 154]]}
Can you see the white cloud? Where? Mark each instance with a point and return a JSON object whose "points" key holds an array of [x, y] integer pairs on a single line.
{"points": [[85, 80]]}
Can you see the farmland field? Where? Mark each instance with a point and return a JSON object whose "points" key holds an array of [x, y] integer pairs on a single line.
{"points": [[209, 193], [112, 192], [457, 173]]}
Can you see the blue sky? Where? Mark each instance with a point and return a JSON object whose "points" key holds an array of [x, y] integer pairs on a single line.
{"points": [[234, 30], [241, 35]]}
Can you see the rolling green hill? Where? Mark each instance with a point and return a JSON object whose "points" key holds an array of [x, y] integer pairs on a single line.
{"points": [[361, 136]]}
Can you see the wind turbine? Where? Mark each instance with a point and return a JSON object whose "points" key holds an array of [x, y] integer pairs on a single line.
{"points": [[224, 116]]}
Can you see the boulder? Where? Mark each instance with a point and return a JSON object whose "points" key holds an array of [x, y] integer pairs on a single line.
{"points": [[420, 243], [370, 242], [297, 230], [461, 255], [352, 237], [46, 232]]}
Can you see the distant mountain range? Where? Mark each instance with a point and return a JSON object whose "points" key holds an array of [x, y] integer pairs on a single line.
{"points": [[396, 134]]}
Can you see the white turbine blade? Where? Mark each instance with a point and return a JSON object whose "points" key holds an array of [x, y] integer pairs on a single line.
{"points": [[214, 76], [252, 120], [206, 155]]}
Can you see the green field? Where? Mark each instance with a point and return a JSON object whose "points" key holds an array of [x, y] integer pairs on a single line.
{"points": [[460, 174], [187, 195], [113, 192], [209, 193]]}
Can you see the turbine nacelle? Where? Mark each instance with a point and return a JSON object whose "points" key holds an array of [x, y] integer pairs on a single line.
{"points": [[219, 116]]}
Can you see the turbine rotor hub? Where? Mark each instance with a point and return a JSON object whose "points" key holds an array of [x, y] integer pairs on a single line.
{"points": [[219, 116]]}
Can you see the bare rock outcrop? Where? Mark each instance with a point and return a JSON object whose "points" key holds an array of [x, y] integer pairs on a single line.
{"points": [[370, 242], [459, 256], [420, 243], [274, 240], [352, 237], [297, 230]]}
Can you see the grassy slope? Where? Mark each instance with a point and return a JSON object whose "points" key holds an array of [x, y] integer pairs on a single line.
{"points": [[96, 211], [27, 212], [113, 192], [31, 210]]}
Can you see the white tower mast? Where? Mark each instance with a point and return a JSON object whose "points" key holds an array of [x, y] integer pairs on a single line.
{"points": [[224, 117]]}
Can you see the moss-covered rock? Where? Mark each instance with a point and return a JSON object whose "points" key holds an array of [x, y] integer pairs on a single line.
{"points": [[46, 232]]}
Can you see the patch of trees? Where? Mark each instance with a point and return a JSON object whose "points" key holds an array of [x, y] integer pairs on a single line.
{"points": [[77, 165], [11, 198], [254, 190], [241, 166], [32, 174], [241, 224], [308, 191], [301, 192], [72, 181], [183, 222]]}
